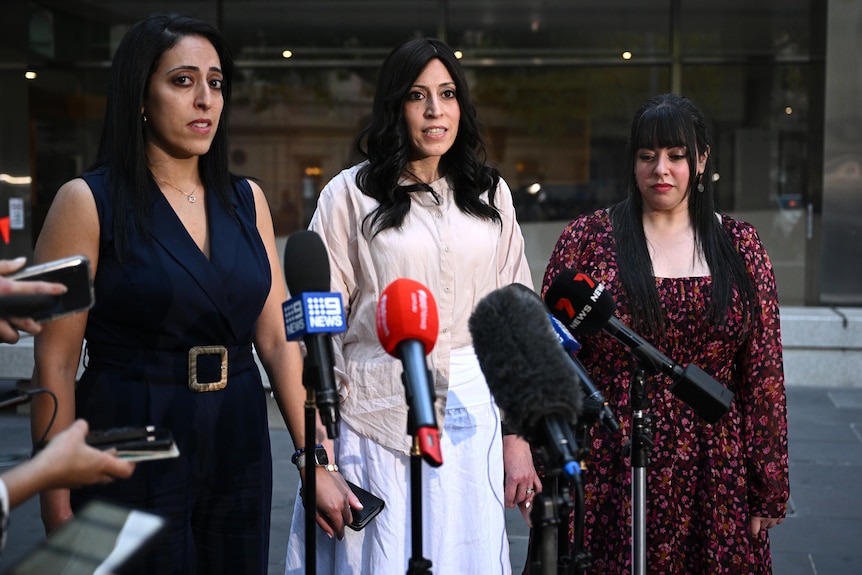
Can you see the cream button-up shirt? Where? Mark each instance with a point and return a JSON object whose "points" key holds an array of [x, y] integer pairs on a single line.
{"points": [[458, 257]]}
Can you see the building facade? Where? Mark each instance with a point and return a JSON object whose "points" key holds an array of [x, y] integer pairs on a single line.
{"points": [[555, 82]]}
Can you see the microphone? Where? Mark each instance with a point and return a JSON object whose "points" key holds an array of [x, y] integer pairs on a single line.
{"points": [[313, 314], [594, 402], [407, 325], [529, 375], [584, 306]]}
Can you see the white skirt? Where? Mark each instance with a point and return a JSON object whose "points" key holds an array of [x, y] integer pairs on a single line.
{"points": [[463, 516]]}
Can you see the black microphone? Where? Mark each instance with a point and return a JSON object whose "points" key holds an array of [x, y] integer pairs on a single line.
{"points": [[312, 314], [529, 374], [584, 306], [594, 402]]}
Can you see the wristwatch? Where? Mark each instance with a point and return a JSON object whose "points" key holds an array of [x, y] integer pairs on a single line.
{"points": [[321, 459]]}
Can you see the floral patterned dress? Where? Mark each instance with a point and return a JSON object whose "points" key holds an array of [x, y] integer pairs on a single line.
{"points": [[704, 481]]}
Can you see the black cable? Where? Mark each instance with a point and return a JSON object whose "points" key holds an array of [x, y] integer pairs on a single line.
{"points": [[43, 441]]}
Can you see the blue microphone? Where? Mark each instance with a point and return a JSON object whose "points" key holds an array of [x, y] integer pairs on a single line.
{"points": [[594, 401], [569, 343], [313, 314]]}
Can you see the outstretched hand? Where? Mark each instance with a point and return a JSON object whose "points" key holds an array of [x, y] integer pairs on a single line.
{"points": [[66, 461], [74, 463], [9, 326]]}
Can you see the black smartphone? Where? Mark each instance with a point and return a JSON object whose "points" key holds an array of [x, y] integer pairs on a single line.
{"points": [[25, 304], [371, 506], [136, 443], [73, 272]]}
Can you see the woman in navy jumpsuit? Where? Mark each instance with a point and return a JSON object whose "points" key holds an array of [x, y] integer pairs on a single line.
{"points": [[187, 279]]}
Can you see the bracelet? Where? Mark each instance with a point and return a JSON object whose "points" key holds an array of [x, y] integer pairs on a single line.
{"points": [[295, 457], [327, 467]]}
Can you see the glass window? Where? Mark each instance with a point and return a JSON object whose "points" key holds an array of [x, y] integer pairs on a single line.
{"points": [[559, 134], [555, 83], [519, 29], [743, 29], [324, 32]]}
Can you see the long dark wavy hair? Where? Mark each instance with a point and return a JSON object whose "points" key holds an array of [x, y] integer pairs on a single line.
{"points": [[386, 146], [667, 121], [122, 149]]}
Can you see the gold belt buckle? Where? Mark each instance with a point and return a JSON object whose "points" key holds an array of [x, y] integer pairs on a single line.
{"points": [[194, 352]]}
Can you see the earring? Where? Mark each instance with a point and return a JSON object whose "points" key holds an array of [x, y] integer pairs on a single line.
{"points": [[699, 180], [144, 116]]}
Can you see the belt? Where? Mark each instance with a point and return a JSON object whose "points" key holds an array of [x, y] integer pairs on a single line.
{"points": [[204, 367]]}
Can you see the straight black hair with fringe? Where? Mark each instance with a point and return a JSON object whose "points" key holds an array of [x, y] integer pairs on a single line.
{"points": [[665, 121]]}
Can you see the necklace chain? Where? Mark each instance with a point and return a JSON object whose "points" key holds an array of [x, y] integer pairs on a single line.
{"points": [[190, 197]]}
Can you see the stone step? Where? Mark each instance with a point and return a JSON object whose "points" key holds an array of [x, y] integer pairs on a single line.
{"points": [[822, 347]]}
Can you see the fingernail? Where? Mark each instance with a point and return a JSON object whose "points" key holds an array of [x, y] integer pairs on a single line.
{"points": [[527, 505]]}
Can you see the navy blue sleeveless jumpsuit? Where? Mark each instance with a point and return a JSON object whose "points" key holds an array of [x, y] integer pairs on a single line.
{"points": [[162, 299]]}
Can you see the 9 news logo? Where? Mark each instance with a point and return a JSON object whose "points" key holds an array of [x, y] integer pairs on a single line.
{"points": [[324, 312], [315, 312]]}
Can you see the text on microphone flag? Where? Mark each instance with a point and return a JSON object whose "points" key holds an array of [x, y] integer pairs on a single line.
{"points": [[313, 312], [406, 310]]}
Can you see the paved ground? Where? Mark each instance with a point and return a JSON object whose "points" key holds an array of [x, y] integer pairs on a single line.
{"points": [[822, 535]]}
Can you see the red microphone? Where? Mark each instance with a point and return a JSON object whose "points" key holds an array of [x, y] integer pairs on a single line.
{"points": [[407, 326]]}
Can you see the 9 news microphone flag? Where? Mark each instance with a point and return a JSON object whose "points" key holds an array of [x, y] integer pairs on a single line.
{"points": [[313, 314]]}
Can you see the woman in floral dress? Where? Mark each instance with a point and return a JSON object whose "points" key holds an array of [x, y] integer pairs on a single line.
{"points": [[699, 286]]}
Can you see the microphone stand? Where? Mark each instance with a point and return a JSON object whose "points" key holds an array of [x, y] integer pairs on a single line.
{"points": [[317, 359], [580, 558], [310, 486], [551, 509], [640, 446], [417, 565]]}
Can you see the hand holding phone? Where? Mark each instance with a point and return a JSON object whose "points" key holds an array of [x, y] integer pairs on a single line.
{"points": [[136, 443], [73, 272], [371, 506]]}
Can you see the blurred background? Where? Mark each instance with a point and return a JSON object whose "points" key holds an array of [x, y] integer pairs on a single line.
{"points": [[556, 83]]}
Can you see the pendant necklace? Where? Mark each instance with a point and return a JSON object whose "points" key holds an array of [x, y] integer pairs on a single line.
{"points": [[190, 197]]}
